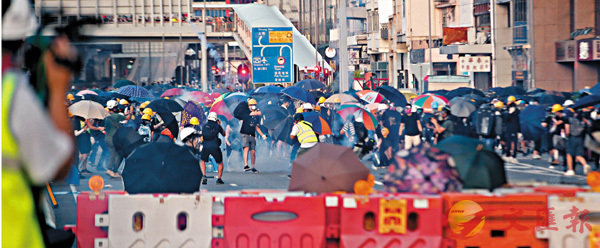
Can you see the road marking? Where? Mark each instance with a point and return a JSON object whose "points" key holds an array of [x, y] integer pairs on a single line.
{"points": [[378, 183], [74, 191], [552, 171], [233, 185], [62, 192]]}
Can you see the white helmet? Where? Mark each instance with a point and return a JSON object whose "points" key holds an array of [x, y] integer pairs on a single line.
{"points": [[186, 132], [18, 22], [307, 106], [111, 104], [212, 116], [568, 103], [382, 106]]}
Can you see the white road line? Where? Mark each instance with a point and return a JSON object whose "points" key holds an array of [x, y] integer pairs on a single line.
{"points": [[233, 185], [62, 192], [378, 183], [74, 191], [546, 169]]}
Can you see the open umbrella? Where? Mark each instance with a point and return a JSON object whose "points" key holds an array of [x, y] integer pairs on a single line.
{"points": [[409, 95], [273, 115], [478, 166], [596, 89], [199, 97], [164, 105], [126, 139], [423, 170], [310, 84], [88, 110], [122, 82], [228, 103], [370, 96], [462, 108], [392, 95], [113, 95], [508, 91], [548, 99], [462, 91], [134, 91], [299, 94], [319, 124], [369, 120], [429, 102], [172, 92], [269, 89], [327, 168], [343, 98], [530, 119], [586, 101], [99, 99], [86, 92], [161, 167]]}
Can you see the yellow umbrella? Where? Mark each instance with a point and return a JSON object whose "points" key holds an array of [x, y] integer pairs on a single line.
{"points": [[408, 94]]}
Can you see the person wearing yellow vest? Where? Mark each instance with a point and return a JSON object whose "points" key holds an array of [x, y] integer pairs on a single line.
{"points": [[305, 133], [36, 140]]}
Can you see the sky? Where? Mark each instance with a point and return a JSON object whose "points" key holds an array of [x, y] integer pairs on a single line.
{"points": [[386, 9]]}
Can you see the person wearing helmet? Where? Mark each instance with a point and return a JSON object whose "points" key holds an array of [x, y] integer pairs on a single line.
{"points": [[307, 107], [211, 145], [144, 129], [37, 142], [305, 133], [385, 147], [512, 128], [557, 130], [249, 128], [111, 124], [499, 105], [70, 99], [322, 100]]}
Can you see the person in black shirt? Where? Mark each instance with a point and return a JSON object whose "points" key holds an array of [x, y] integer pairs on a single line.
{"points": [[513, 127], [557, 130], [250, 126], [411, 125], [211, 145]]}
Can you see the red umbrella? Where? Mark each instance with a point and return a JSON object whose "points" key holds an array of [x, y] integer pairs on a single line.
{"points": [[201, 97], [172, 92]]}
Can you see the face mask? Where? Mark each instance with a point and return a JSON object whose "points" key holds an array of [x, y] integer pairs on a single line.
{"points": [[441, 118], [253, 107]]}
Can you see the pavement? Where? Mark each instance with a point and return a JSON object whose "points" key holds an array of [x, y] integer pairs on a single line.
{"points": [[274, 170]]}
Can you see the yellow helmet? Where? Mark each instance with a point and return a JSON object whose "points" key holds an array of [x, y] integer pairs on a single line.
{"points": [[146, 117], [69, 113], [511, 99], [385, 132], [148, 111], [252, 102], [70, 97], [439, 109], [124, 102], [556, 108], [322, 99], [144, 104], [194, 121], [499, 104], [299, 110], [166, 97]]}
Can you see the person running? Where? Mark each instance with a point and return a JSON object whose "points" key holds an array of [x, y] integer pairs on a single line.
{"points": [[411, 125], [305, 133], [575, 130], [211, 145], [250, 126], [557, 129]]}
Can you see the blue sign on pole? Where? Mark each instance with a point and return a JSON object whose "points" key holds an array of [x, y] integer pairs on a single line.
{"points": [[272, 55]]}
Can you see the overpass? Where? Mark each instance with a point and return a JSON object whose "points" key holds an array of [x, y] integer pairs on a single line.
{"points": [[150, 31]]}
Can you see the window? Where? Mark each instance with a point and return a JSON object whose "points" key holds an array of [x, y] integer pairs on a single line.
{"points": [[597, 14], [520, 22], [445, 68], [571, 16]]}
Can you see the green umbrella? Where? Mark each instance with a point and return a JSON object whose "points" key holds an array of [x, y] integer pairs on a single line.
{"points": [[478, 166], [122, 82]]}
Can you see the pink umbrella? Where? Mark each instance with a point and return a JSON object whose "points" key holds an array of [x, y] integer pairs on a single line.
{"points": [[86, 92], [172, 92], [370, 96], [201, 97], [215, 95]]}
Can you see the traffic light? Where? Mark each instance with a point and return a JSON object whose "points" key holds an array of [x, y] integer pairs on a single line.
{"points": [[243, 73], [326, 72]]}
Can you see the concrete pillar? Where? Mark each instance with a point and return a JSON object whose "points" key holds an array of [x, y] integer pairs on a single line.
{"points": [[226, 51]]}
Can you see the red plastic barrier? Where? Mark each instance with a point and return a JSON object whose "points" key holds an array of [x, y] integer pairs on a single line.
{"points": [[494, 221], [88, 205], [255, 222], [566, 191], [400, 220]]}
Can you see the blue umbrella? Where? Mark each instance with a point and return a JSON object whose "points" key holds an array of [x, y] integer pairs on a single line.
{"points": [[531, 119], [269, 89], [319, 125], [299, 94], [589, 100], [548, 99], [508, 91], [134, 91], [310, 84], [393, 95], [596, 89]]}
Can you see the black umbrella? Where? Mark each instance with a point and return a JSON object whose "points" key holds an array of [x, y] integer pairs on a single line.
{"points": [[273, 116], [462, 91], [310, 84], [170, 122], [531, 119], [508, 91], [96, 98], [478, 166], [548, 99], [164, 105], [161, 168], [112, 94], [126, 139], [283, 130], [393, 95]]}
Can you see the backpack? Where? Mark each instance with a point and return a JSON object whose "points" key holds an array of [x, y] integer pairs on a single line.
{"points": [[210, 131], [485, 123], [576, 126], [361, 131]]}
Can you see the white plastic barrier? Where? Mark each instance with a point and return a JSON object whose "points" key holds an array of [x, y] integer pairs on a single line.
{"points": [[563, 219], [159, 221]]}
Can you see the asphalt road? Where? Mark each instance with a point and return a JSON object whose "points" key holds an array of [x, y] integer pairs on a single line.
{"points": [[274, 172]]}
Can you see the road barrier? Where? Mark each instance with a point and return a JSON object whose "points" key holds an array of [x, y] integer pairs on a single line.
{"points": [[571, 220], [390, 221], [502, 220], [548, 216], [92, 219]]}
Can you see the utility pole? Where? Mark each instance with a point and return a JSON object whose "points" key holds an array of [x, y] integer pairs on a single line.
{"points": [[343, 53], [423, 88], [203, 71]]}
